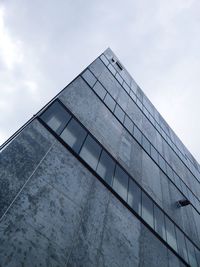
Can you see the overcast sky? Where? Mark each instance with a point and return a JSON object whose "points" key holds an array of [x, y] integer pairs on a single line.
{"points": [[45, 44]]}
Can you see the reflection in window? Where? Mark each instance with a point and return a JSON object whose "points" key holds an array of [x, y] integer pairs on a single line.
{"points": [[182, 250], [74, 135], [89, 77], [106, 167], [112, 69], [170, 232], [134, 196], [120, 182], [119, 113], [56, 117], [90, 152], [159, 222], [147, 209], [126, 87], [138, 135], [162, 163], [110, 102], [191, 253], [128, 124], [133, 96], [99, 89], [170, 172]]}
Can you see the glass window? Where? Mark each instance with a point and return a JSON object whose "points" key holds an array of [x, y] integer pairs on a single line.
{"points": [[146, 144], [138, 135], [104, 59], [112, 69], [139, 103], [134, 196], [90, 152], [182, 250], [159, 222], [56, 117], [154, 154], [100, 90], [126, 87], [119, 78], [74, 135], [147, 209], [106, 167], [162, 163], [110, 102], [184, 189], [191, 253], [128, 124], [119, 113], [89, 77], [134, 86], [197, 252], [170, 232], [120, 182]]}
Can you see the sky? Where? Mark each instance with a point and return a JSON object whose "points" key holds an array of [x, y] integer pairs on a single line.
{"points": [[45, 44]]}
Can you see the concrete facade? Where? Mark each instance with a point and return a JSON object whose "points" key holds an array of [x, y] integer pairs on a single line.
{"points": [[55, 210]]}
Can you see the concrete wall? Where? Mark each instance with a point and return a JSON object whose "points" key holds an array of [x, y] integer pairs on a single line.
{"points": [[64, 216]]}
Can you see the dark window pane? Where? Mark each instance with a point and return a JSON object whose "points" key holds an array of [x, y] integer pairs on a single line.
{"points": [[146, 144], [106, 167], [170, 232], [90, 152], [110, 102], [147, 209], [138, 135], [89, 77], [56, 117], [134, 196], [104, 59], [162, 163], [119, 113], [154, 154], [100, 90], [191, 253], [159, 222], [119, 78], [74, 135], [126, 87], [128, 124], [120, 182], [112, 69], [182, 250]]}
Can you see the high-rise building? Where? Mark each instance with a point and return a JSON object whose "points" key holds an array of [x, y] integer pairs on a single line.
{"points": [[98, 178]]}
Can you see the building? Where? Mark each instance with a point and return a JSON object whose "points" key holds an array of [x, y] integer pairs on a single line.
{"points": [[98, 178]]}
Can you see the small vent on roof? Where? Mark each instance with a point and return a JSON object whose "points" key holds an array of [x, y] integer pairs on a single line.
{"points": [[119, 65]]}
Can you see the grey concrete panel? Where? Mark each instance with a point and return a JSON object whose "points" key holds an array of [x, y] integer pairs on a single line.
{"points": [[97, 67], [19, 159], [151, 178]]}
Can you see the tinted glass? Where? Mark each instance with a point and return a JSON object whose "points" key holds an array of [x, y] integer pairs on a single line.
{"points": [[74, 135], [147, 209], [154, 154], [139, 103], [191, 253], [159, 222], [138, 135], [146, 144], [119, 113], [128, 124], [120, 182], [90, 152], [106, 167], [170, 172], [133, 96], [134, 196], [109, 101], [56, 117], [170, 233], [104, 59], [112, 69], [119, 78], [89, 77], [99, 89], [182, 250]]}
